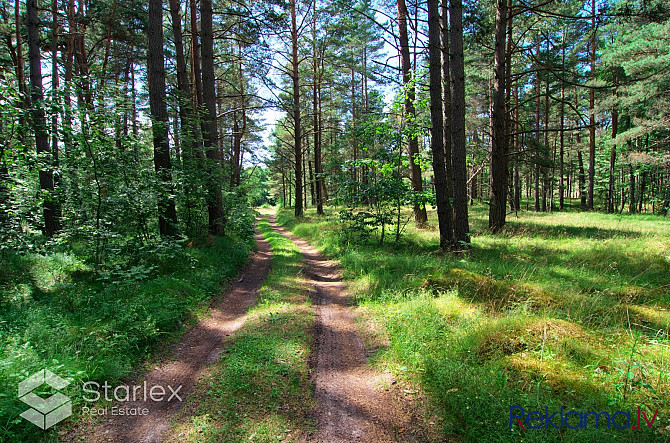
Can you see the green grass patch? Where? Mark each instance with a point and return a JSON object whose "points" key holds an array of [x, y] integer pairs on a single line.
{"points": [[559, 310], [59, 313], [260, 389]]}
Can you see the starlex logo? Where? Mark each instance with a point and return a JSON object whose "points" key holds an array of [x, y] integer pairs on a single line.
{"points": [[45, 412], [578, 420]]}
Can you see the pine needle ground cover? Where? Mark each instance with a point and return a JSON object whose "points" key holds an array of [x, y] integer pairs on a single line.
{"points": [[568, 310]]}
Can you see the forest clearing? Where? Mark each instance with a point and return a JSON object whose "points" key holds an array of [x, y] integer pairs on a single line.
{"points": [[349, 221]]}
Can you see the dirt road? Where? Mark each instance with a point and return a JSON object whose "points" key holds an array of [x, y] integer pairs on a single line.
{"points": [[200, 346], [354, 404]]}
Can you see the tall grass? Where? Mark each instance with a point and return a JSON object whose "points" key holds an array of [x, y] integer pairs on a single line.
{"points": [[57, 312], [564, 309]]}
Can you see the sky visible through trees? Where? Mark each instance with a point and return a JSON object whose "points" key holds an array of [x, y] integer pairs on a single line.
{"points": [[134, 134]]}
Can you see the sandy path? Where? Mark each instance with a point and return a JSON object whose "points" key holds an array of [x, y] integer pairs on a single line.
{"points": [[200, 346], [352, 402]]}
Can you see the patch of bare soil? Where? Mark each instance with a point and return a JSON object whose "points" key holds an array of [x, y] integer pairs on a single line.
{"points": [[355, 403], [199, 347]]}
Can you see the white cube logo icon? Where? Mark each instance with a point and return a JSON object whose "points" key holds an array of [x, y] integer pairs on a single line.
{"points": [[45, 412]]}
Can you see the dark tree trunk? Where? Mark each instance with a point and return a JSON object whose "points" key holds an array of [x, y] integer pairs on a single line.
{"points": [[295, 77], [189, 123], [537, 143], [195, 57], [446, 117], [444, 215], [20, 70], [317, 187], [612, 172], [631, 189], [561, 152], [51, 206], [186, 111], [54, 96], [318, 167], [420, 216], [167, 214], [517, 182], [643, 186], [216, 215], [499, 143], [592, 115], [582, 181], [461, 226]]}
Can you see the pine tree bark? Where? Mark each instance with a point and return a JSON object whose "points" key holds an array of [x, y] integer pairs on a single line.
{"points": [[295, 77], [446, 109], [612, 171], [420, 216], [631, 189], [461, 226], [561, 149], [215, 212], [51, 207], [317, 193], [444, 213], [592, 116], [499, 142], [167, 214], [582, 180]]}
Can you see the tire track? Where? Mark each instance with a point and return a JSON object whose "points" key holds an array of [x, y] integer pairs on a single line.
{"points": [[199, 347], [352, 405]]}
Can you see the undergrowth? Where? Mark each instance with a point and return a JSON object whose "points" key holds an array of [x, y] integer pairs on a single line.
{"points": [[83, 323], [564, 310]]}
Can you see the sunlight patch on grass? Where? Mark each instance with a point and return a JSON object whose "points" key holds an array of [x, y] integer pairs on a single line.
{"points": [[560, 309], [260, 390]]}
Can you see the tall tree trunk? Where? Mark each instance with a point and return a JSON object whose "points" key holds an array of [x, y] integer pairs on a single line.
{"points": [[631, 189], [51, 207], [561, 152], [420, 216], [186, 111], [643, 185], [216, 215], [517, 182], [499, 142], [167, 214], [317, 187], [582, 180], [612, 171], [545, 150], [592, 113], [195, 57], [297, 146], [446, 120], [189, 124], [537, 140], [20, 70], [54, 95], [444, 215], [461, 226]]}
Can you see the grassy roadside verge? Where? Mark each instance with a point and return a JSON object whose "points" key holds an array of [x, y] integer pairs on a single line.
{"points": [[58, 313], [562, 310], [260, 390]]}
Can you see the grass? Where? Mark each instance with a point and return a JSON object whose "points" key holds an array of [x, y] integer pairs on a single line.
{"points": [[560, 310], [260, 389], [59, 313]]}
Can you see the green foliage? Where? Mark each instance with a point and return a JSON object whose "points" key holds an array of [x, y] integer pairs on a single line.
{"points": [[59, 312], [562, 309]]}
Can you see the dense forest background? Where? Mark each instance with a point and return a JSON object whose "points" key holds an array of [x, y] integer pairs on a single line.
{"points": [[137, 137]]}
